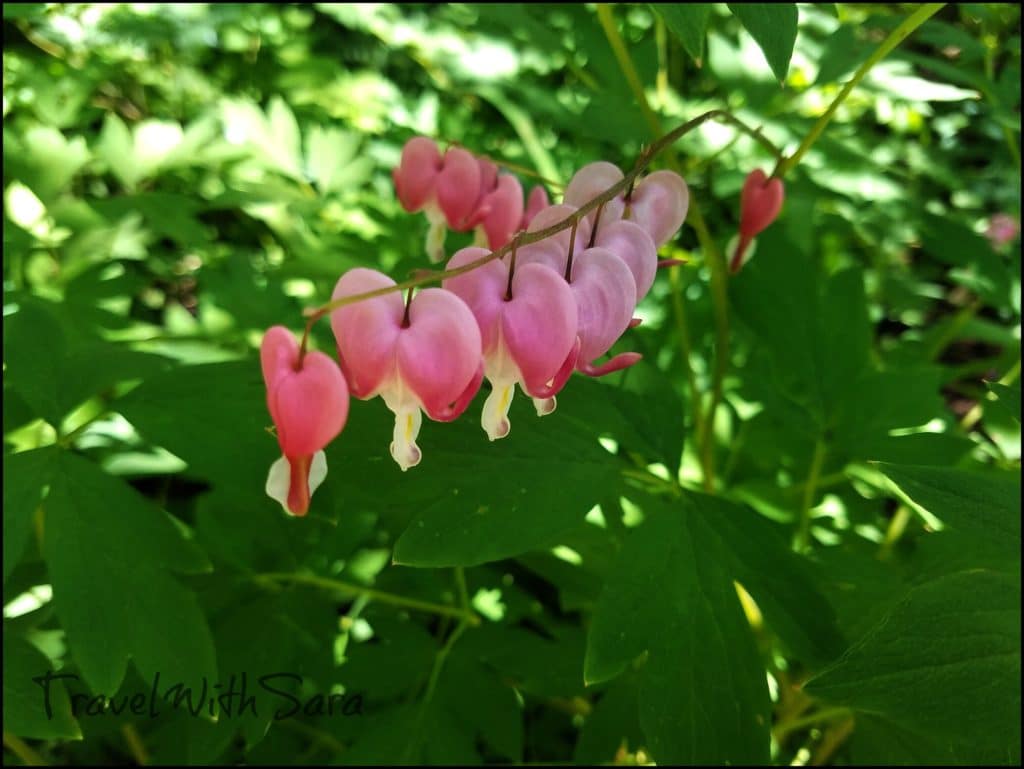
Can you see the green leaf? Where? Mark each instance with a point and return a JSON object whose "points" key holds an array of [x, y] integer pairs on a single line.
{"points": [[26, 700], [783, 585], [981, 506], [1009, 397], [816, 328], [943, 664], [478, 501], [55, 371], [688, 22], [703, 696], [773, 27], [210, 415], [26, 474], [611, 725], [109, 555]]}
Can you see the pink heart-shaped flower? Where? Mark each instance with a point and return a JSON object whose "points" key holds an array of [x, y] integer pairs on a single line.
{"points": [[500, 211], [589, 182], [458, 187], [659, 204], [760, 202], [417, 173], [606, 297], [308, 402], [428, 358], [631, 243], [529, 333]]}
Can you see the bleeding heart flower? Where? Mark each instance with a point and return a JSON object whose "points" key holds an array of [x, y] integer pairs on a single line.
{"points": [[537, 201], [528, 327], [605, 294], [308, 402], [556, 247], [631, 243], [760, 202], [424, 356], [659, 204], [500, 211], [589, 182], [447, 189]]}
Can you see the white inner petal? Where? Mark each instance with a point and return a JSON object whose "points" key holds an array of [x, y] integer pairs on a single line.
{"points": [[545, 406], [278, 480], [317, 472], [403, 446], [494, 418]]}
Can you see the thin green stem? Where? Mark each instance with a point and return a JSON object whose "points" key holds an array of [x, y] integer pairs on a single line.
{"points": [[19, 748], [347, 588], [895, 530], [686, 348], [803, 535], [785, 728], [428, 696], [711, 255], [897, 36]]}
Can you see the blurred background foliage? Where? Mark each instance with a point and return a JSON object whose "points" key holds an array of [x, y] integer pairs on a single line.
{"points": [[178, 178]]}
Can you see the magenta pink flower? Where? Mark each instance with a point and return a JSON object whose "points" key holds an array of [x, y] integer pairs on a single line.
{"points": [[589, 182], [446, 188], [528, 327], [659, 202], [500, 211], [760, 203], [308, 401], [424, 356], [605, 293], [1002, 229], [535, 203], [631, 243]]}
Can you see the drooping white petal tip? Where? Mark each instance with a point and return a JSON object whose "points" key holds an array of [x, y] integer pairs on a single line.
{"points": [[545, 406], [279, 478], [494, 418], [403, 446]]}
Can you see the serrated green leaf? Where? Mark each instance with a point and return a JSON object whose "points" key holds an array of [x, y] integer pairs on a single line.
{"points": [[499, 499], [981, 506], [688, 22], [26, 474], [783, 585], [943, 664], [110, 555], [703, 697], [209, 415], [37, 709], [773, 27]]}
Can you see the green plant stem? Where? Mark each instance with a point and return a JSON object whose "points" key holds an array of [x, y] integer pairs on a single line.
{"points": [[413, 604], [686, 348], [897, 36], [895, 530], [19, 748], [428, 695], [711, 255], [785, 728], [803, 535], [135, 744]]}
